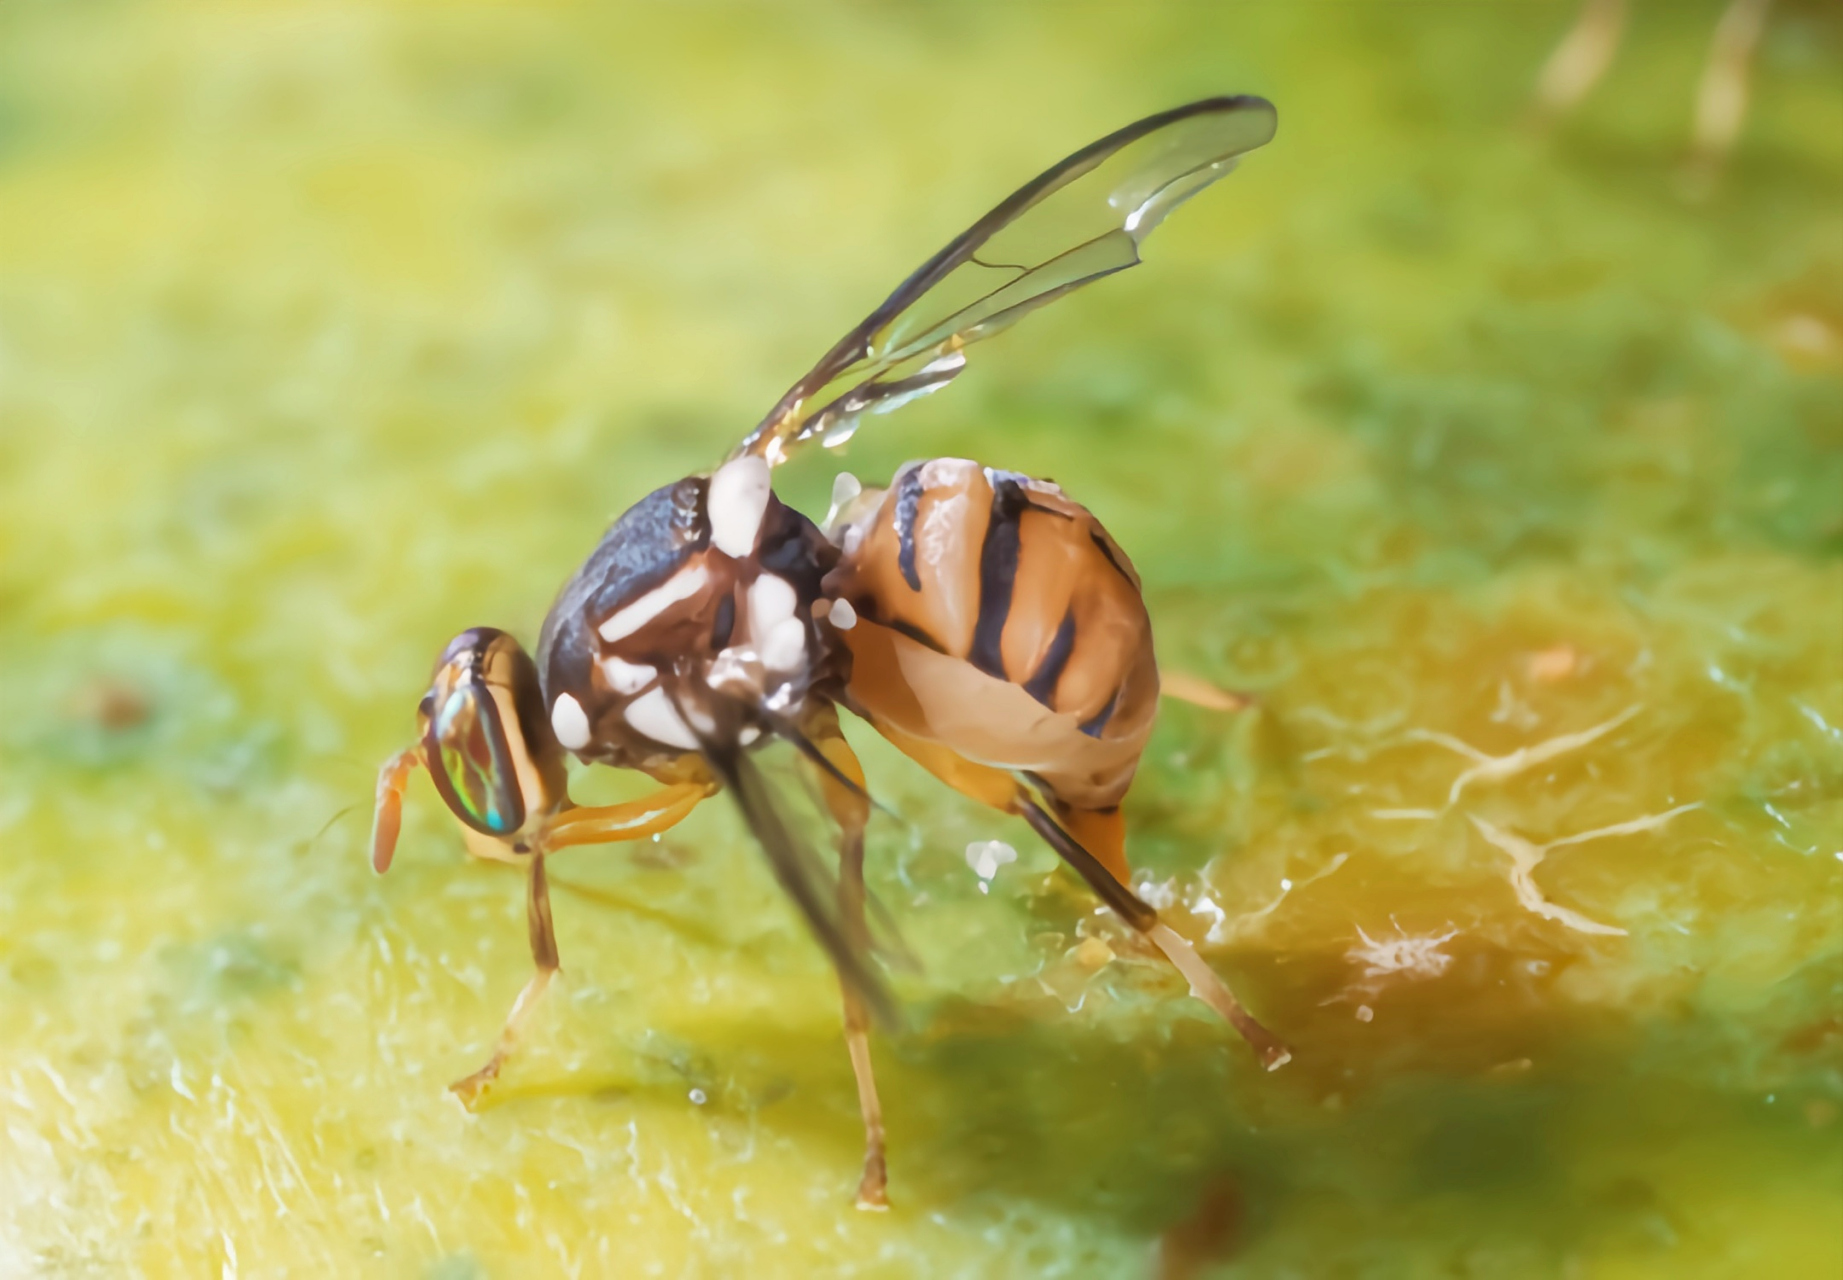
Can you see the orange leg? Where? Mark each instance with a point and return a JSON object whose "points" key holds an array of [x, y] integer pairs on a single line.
{"points": [[387, 818], [851, 810], [982, 782], [1102, 864], [602, 825], [1199, 692], [632, 821], [1101, 832]]}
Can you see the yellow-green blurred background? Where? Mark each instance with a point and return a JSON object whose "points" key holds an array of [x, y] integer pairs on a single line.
{"points": [[328, 329]]}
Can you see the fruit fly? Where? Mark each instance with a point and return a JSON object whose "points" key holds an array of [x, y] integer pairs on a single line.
{"points": [[982, 621]]}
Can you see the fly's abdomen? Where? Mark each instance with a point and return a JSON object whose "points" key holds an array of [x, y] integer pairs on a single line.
{"points": [[1003, 622]]}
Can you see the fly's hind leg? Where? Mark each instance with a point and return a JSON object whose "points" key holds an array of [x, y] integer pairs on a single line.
{"points": [[1093, 842], [601, 825], [1199, 692], [1101, 835], [851, 810]]}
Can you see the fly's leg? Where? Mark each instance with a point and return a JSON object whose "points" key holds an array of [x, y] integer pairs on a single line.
{"points": [[1102, 864], [1102, 832], [600, 825], [1199, 692], [471, 1089], [387, 817], [635, 820], [1213, 991], [851, 810], [1101, 869]]}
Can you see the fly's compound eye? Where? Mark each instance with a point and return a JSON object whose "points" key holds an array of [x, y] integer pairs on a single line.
{"points": [[472, 764]]}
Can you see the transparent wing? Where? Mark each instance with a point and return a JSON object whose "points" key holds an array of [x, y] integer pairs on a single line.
{"points": [[1083, 219], [803, 876], [800, 872]]}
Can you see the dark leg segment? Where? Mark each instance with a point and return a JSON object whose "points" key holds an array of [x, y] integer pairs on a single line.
{"points": [[544, 955]]}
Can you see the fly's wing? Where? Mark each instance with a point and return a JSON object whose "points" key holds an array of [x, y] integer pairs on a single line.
{"points": [[1079, 221], [800, 872]]}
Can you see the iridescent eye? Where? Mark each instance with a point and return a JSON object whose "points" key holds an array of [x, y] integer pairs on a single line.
{"points": [[474, 769]]}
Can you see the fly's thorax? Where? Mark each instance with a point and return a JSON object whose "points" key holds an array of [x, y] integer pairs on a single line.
{"points": [[486, 739], [693, 618], [1002, 621]]}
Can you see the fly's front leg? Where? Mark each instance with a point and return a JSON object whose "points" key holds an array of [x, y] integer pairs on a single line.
{"points": [[851, 809], [600, 825], [471, 1088], [635, 820]]}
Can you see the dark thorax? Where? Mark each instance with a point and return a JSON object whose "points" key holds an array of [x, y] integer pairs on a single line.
{"points": [[693, 617]]}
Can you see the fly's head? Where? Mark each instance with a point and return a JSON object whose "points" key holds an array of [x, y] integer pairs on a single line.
{"points": [[690, 626], [486, 740]]}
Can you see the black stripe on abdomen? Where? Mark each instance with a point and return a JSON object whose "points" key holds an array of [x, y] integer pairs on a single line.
{"points": [[1106, 549], [998, 560], [916, 634], [1096, 726], [1042, 685]]}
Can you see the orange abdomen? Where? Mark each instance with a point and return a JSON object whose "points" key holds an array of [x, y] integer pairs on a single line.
{"points": [[998, 619]]}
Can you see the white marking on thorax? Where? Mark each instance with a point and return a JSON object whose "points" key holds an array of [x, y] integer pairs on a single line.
{"points": [[630, 618], [843, 616], [784, 648], [737, 668], [738, 498], [627, 678], [845, 487], [569, 722], [653, 715], [771, 602]]}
